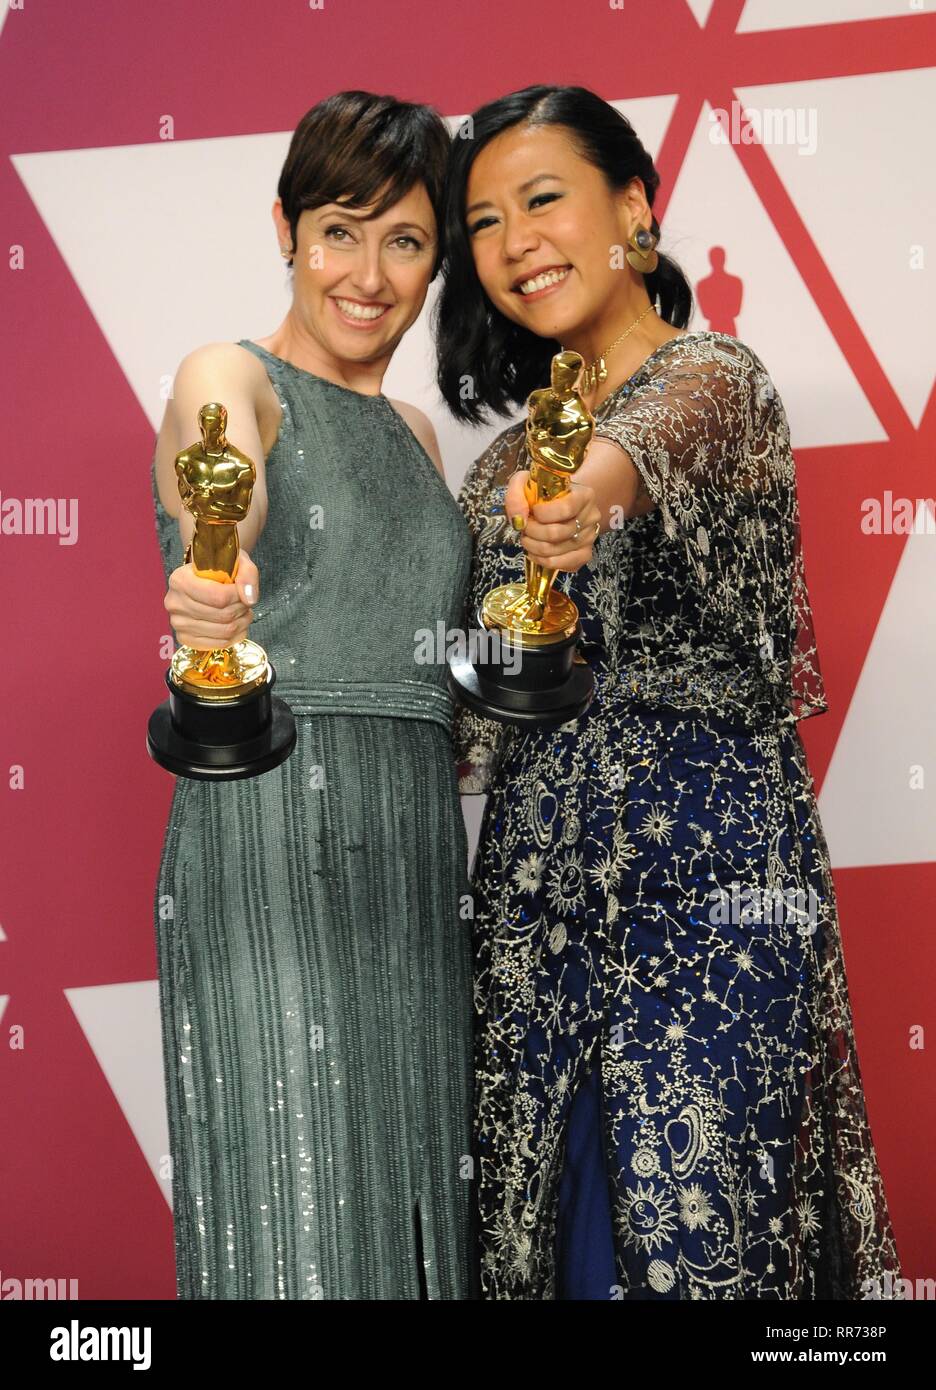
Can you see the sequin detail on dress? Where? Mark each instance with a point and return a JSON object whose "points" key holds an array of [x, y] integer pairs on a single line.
{"points": [[314, 966]]}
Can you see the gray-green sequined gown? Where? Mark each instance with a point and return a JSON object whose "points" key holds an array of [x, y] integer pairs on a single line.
{"points": [[314, 967]]}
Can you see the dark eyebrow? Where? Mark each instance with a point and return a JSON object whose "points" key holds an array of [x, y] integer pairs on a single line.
{"points": [[524, 188], [356, 215]]}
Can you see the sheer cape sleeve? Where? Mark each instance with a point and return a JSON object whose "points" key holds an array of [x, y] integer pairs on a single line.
{"points": [[708, 435]]}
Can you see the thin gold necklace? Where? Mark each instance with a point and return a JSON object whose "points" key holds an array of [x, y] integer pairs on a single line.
{"points": [[597, 371]]}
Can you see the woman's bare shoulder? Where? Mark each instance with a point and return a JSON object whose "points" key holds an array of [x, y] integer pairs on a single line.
{"points": [[234, 362]]}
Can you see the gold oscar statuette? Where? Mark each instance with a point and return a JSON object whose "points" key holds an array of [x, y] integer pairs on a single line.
{"points": [[221, 721], [551, 683]]}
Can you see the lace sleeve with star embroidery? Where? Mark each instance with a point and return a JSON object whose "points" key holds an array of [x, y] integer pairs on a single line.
{"points": [[708, 435], [479, 742]]}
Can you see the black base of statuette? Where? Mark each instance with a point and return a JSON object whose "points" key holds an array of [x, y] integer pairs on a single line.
{"points": [[553, 686], [221, 740]]}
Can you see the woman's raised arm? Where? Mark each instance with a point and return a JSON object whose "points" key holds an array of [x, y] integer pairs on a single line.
{"points": [[227, 373]]}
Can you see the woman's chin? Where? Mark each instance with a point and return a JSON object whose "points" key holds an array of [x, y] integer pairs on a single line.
{"points": [[531, 323], [543, 323]]}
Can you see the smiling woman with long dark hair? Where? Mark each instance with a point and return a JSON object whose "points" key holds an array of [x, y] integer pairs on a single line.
{"points": [[668, 1097]]}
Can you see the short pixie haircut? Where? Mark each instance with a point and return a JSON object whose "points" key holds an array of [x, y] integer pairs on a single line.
{"points": [[354, 146]]}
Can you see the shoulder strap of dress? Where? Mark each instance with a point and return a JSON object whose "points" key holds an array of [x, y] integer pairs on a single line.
{"points": [[279, 378], [275, 367]]}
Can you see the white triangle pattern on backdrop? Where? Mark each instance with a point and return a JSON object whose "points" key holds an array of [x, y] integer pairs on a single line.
{"points": [[121, 1024], [878, 801], [797, 14]]}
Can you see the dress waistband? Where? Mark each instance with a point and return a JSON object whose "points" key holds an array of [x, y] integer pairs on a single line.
{"points": [[400, 699], [729, 702]]}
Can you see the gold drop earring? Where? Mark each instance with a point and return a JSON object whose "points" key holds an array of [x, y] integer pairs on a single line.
{"points": [[642, 256]]}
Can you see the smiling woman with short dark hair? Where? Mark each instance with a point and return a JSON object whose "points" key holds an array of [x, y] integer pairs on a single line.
{"points": [[313, 963]]}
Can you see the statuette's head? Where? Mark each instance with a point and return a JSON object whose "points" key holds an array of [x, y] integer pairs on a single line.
{"points": [[564, 371], [212, 421]]}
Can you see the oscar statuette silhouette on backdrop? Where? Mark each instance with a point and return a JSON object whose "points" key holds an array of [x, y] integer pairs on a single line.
{"points": [[533, 672], [221, 720]]}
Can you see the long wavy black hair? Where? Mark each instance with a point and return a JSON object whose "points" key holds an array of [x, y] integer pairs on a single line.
{"points": [[485, 361], [358, 145]]}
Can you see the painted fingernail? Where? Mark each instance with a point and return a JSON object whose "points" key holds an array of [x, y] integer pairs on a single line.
{"points": [[519, 522]]}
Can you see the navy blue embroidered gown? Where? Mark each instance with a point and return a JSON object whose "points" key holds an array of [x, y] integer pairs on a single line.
{"points": [[668, 1101]]}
